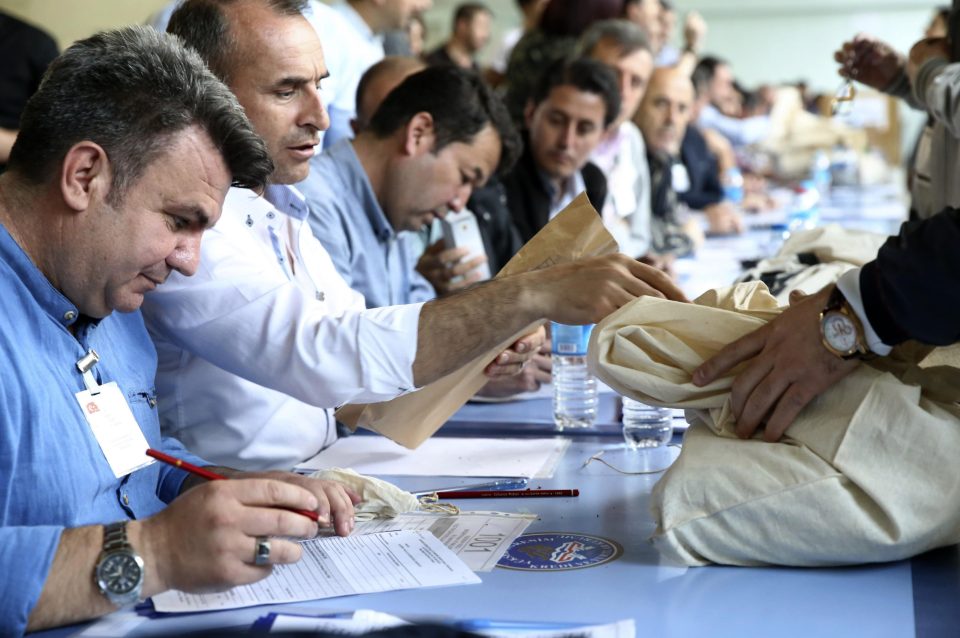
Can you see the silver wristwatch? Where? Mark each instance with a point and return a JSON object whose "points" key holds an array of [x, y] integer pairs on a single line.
{"points": [[119, 571]]}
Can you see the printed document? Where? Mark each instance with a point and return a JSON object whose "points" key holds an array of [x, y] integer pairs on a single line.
{"points": [[340, 566], [479, 539]]}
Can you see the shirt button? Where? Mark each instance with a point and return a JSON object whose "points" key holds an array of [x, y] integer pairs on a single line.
{"points": [[69, 315], [126, 499]]}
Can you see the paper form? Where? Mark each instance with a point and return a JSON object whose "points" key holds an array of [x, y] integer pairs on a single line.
{"points": [[479, 539], [340, 566], [443, 456]]}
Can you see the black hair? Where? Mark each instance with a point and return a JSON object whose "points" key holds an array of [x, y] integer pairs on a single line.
{"points": [[459, 102], [586, 75]]}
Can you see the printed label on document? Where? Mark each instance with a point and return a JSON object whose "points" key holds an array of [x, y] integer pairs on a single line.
{"points": [[115, 428]]}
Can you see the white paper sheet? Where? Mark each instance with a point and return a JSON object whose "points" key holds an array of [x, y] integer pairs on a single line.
{"points": [[365, 620], [338, 566], [478, 538], [443, 456], [362, 621]]}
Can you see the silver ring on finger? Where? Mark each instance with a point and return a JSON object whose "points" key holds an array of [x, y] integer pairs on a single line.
{"points": [[261, 551]]}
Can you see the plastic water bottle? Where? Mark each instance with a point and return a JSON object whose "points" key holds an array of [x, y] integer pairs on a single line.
{"points": [[820, 173], [646, 426], [805, 210], [574, 388], [733, 185]]}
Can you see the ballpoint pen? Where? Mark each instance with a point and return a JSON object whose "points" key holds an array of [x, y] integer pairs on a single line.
{"points": [[511, 483], [213, 476]]}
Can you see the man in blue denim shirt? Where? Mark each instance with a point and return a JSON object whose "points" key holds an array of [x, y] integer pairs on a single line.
{"points": [[124, 157]]}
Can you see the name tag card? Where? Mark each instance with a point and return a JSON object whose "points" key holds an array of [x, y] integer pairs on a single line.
{"points": [[115, 428]]}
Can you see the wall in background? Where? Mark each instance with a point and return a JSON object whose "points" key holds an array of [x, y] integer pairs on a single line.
{"points": [[764, 40], [70, 20]]}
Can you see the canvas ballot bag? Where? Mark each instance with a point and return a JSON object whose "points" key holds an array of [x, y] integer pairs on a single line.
{"points": [[867, 473]]}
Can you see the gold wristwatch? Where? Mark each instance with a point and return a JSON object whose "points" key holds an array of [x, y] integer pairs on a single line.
{"points": [[840, 329]]}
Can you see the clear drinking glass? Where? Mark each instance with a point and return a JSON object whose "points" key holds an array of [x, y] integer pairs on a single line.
{"points": [[646, 426]]}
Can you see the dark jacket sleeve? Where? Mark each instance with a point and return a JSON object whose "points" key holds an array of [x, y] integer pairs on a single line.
{"points": [[500, 238], [912, 289], [703, 169]]}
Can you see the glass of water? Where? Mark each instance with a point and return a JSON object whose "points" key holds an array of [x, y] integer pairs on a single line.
{"points": [[646, 426]]}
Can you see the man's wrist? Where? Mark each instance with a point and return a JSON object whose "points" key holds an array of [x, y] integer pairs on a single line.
{"points": [[849, 286], [141, 536]]}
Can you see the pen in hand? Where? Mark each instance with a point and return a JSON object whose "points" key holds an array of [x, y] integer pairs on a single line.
{"points": [[213, 476]]}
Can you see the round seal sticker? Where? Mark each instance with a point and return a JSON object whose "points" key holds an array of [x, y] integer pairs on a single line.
{"points": [[551, 551]]}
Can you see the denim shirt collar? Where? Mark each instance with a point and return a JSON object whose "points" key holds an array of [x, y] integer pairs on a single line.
{"points": [[49, 298]]}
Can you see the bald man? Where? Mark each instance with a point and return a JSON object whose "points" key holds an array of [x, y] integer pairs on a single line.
{"points": [[376, 84], [663, 118]]}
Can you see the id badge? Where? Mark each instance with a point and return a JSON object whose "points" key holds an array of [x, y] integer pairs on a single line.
{"points": [[115, 428]]}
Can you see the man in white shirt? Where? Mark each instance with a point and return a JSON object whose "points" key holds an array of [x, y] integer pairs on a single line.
{"points": [[621, 154], [716, 78], [266, 337]]}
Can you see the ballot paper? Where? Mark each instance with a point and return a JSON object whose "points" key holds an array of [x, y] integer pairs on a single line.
{"points": [[339, 566], [479, 539], [443, 456]]}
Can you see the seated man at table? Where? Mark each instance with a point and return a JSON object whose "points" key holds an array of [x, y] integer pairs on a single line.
{"points": [[663, 118], [571, 107], [621, 154], [267, 338], [123, 159], [368, 195]]}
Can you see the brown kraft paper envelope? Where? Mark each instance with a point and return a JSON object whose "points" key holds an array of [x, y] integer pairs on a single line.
{"points": [[576, 232]]}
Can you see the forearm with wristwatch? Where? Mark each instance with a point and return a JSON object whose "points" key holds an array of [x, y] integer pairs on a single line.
{"points": [[844, 327], [119, 572]]}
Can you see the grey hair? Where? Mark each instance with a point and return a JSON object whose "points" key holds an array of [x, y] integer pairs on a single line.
{"points": [[130, 91], [627, 36]]}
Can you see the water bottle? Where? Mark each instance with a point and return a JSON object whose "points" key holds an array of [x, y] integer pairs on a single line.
{"points": [[645, 426], [733, 185], [820, 173], [805, 209], [574, 388]]}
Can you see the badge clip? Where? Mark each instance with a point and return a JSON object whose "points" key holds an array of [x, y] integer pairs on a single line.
{"points": [[85, 366]]}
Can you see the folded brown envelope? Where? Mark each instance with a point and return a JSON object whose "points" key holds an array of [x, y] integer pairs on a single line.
{"points": [[411, 419]]}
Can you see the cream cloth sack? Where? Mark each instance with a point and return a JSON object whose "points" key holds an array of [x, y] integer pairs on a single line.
{"points": [[868, 472], [837, 250]]}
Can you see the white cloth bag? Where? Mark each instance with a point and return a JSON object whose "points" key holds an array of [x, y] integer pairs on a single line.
{"points": [[870, 471]]}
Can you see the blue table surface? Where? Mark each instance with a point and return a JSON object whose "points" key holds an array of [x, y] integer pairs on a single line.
{"points": [[906, 598]]}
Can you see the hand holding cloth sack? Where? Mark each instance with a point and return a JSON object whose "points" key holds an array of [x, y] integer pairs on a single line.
{"points": [[868, 472]]}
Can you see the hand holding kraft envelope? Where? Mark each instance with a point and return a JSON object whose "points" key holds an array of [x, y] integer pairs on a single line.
{"points": [[576, 233]]}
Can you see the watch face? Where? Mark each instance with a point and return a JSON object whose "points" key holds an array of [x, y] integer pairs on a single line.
{"points": [[120, 573], [840, 332]]}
